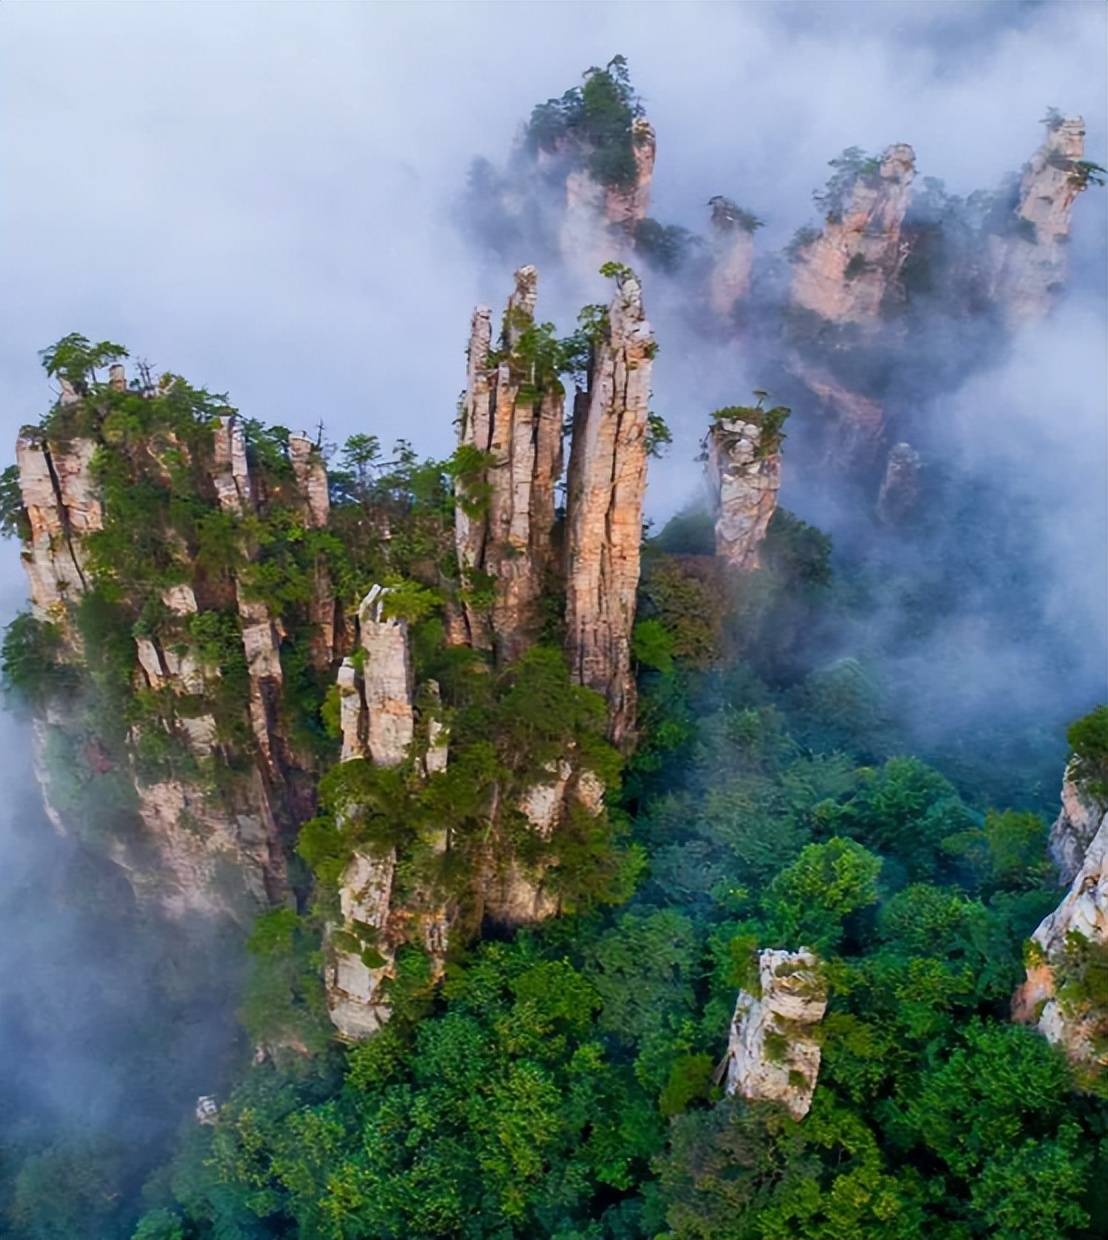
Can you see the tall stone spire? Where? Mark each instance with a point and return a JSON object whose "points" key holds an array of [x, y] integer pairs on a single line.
{"points": [[512, 416], [607, 480]]}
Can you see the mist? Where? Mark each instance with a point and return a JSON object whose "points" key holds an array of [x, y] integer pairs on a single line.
{"points": [[265, 199]]}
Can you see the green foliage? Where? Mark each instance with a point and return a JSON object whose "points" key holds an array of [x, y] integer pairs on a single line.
{"points": [[30, 661], [76, 360], [727, 215], [596, 121], [808, 902], [665, 247], [658, 435], [849, 168], [687, 605], [1088, 739], [771, 421], [13, 518], [283, 1003], [652, 645], [801, 240]]}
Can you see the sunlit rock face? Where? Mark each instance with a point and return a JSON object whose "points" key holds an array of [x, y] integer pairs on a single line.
{"points": [[194, 849], [744, 477], [772, 1053], [1068, 954], [1030, 260], [848, 271], [504, 516], [900, 485], [58, 516], [607, 480]]}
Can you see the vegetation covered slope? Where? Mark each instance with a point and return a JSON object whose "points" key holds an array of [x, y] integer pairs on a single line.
{"points": [[562, 1083]]}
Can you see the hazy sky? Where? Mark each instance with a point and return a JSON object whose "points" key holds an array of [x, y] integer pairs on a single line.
{"points": [[258, 195]]}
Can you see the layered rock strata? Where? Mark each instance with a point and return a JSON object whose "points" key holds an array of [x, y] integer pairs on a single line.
{"points": [[607, 480], [1029, 260], [773, 1054], [512, 416], [744, 476], [846, 274]]}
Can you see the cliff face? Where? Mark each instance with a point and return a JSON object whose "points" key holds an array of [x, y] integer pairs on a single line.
{"points": [[1029, 262], [213, 804], [846, 273], [744, 476], [607, 479], [1077, 823], [378, 723], [1068, 954], [772, 1053], [512, 415]]}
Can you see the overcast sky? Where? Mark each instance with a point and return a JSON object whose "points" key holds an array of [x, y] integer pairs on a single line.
{"points": [[257, 195]]}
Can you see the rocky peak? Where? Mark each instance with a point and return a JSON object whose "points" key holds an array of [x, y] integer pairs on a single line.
{"points": [[607, 480], [1029, 260], [511, 422], [848, 271], [772, 1052], [744, 475]]}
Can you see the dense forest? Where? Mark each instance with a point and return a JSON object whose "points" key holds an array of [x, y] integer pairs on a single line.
{"points": [[209, 608]]}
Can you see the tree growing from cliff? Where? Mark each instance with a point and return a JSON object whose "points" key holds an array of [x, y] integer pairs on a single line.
{"points": [[76, 359]]}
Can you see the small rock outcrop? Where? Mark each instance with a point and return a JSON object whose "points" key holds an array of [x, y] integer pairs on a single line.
{"points": [[846, 273], [744, 475], [1067, 957], [511, 423], [1029, 260], [772, 1055], [607, 480], [900, 486]]}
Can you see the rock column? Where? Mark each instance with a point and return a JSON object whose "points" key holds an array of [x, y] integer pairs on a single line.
{"points": [[607, 479], [772, 1054], [744, 476], [512, 414]]}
